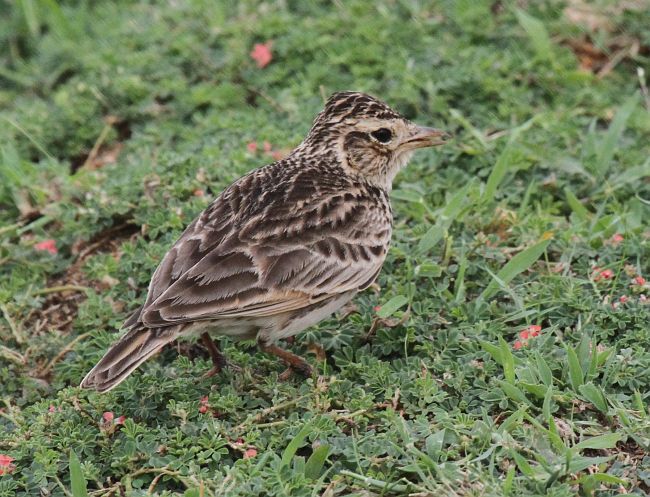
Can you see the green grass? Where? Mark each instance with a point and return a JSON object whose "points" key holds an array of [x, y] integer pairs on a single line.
{"points": [[432, 393]]}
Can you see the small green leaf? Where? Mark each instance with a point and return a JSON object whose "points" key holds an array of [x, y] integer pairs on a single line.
{"points": [[514, 393], [498, 172], [508, 361], [537, 33], [295, 444], [608, 145], [606, 441], [77, 480], [576, 206], [523, 465], [538, 390], [519, 263], [576, 375], [554, 437], [594, 395], [428, 269], [545, 373], [580, 463], [602, 478], [493, 350], [546, 406], [434, 444], [391, 306], [316, 461]]}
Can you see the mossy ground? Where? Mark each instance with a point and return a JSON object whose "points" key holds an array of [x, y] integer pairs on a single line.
{"points": [[120, 120]]}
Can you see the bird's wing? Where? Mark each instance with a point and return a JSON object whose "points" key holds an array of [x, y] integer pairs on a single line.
{"points": [[263, 251]]}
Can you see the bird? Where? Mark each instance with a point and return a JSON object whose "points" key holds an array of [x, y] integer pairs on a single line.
{"points": [[281, 248]]}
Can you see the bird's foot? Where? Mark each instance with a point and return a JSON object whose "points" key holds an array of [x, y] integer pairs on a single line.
{"points": [[303, 369], [296, 363], [218, 368]]}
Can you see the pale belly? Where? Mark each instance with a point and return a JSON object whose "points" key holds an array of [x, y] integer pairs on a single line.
{"points": [[271, 328]]}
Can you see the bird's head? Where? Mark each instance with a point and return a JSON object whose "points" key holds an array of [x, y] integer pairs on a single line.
{"points": [[369, 138]]}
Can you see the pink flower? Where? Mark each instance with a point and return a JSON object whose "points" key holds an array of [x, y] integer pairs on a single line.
{"points": [[267, 146], [47, 246], [261, 54], [607, 273], [203, 409], [51, 408], [250, 453], [530, 332], [108, 416], [6, 465], [252, 147], [622, 299], [198, 192], [120, 420], [600, 274], [517, 345], [377, 308], [642, 298], [616, 239], [639, 280], [277, 154]]}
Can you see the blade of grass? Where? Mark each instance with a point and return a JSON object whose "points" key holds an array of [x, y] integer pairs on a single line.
{"points": [[515, 266], [498, 172], [537, 33], [315, 463], [576, 375], [606, 441], [576, 206], [295, 444], [607, 148], [77, 480]]}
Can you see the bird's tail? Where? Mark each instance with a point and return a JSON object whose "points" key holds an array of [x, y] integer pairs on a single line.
{"points": [[124, 356]]}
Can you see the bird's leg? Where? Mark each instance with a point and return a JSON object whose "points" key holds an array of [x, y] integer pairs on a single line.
{"points": [[218, 359], [296, 363]]}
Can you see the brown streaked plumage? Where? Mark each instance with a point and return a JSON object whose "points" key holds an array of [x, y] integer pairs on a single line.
{"points": [[281, 248]]}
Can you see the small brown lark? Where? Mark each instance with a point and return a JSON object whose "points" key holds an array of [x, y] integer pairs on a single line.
{"points": [[281, 248]]}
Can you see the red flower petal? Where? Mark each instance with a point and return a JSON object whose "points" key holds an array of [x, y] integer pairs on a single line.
{"points": [[203, 409], [120, 420], [534, 328], [250, 453], [47, 246], [261, 54], [267, 146], [616, 239], [524, 335], [517, 345], [108, 416], [623, 298], [252, 147], [5, 460], [639, 280]]}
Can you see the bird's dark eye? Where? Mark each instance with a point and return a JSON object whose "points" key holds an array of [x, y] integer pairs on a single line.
{"points": [[382, 135]]}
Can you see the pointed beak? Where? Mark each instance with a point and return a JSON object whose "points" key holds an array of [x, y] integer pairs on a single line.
{"points": [[427, 137]]}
